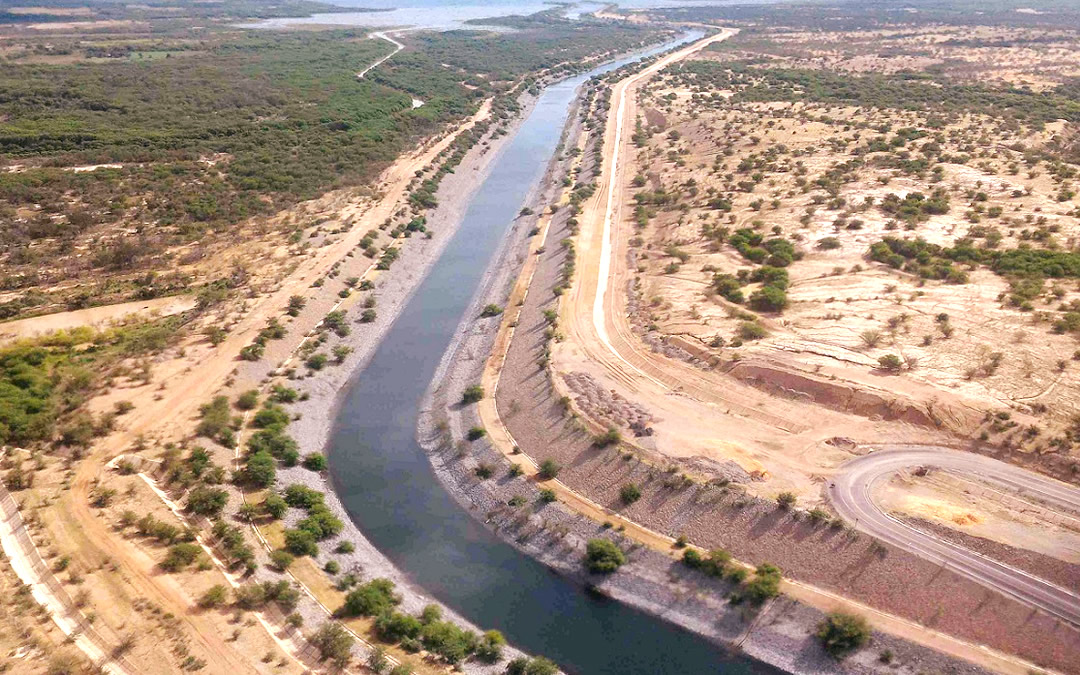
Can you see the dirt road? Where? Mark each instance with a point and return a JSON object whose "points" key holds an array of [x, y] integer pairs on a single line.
{"points": [[852, 494]]}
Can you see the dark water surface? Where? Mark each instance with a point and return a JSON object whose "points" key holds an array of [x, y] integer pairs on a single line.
{"points": [[388, 486]]}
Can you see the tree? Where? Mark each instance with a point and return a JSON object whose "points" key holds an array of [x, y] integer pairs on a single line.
{"points": [[333, 642], [602, 556], [841, 633]]}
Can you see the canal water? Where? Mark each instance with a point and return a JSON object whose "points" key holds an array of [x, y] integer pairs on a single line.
{"points": [[387, 484]]}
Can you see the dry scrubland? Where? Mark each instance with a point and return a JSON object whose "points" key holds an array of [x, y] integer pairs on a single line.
{"points": [[252, 234], [881, 242]]}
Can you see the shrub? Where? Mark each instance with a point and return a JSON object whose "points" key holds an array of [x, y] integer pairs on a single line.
{"points": [[248, 400], [281, 559], [547, 496], [275, 506], [602, 556], [321, 523], [367, 316], [316, 361], [331, 567], [490, 647], [370, 599], [283, 394], [527, 666], [215, 596], [444, 638], [302, 497], [629, 493], [483, 471], [207, 501], [396, 626], [608, 438], [475, 433], [301, 542], [752, 330], [769, 299], [272, 416], [786, 500], [491, 310], [549, 469], [315, 462], [345, 547], [765, 584], [472, 394], [841, 633], [333, 642], [890, 363], [180, 556]]}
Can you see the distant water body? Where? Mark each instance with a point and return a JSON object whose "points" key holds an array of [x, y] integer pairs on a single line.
{"points": [[451, 14]]}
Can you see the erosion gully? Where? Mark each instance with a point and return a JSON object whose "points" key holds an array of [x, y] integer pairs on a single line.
{"points": [[387, 484]]}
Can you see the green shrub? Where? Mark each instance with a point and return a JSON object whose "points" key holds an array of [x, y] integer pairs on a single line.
{"points": [[315, 462], [629, 493], [207, 501], [215, 596], [765, 584], [275, 506], [531, 666], [602, 556], [841, 633], [180, 556], [396, 626], [371, 599], [491, 310], [472, 394], [281, 559], [248, 400], [476, 433], [549, 469], [301, 542]]}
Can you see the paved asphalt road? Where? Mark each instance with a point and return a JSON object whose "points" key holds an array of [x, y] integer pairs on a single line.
{"points": [[851, 492]]}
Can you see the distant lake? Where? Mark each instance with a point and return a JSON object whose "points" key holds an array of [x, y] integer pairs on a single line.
{"points": [[452, 14]]}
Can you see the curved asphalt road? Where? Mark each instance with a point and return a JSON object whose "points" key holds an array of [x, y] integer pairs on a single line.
{"points": [[851, 491]]}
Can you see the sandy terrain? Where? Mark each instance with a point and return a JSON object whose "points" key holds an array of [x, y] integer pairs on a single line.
{"points": [[555, 534], [185, 383], [786, 442], [95, 317]]}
